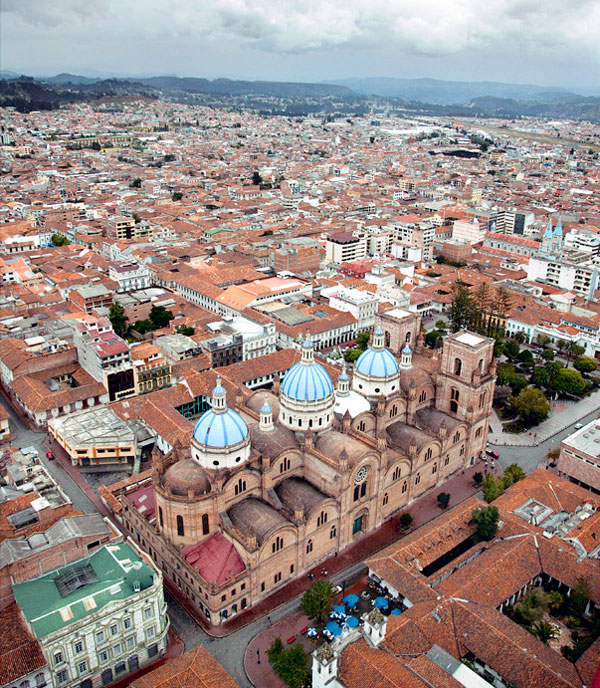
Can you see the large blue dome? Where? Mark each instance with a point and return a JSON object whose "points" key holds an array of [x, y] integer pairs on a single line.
{"points": [[307, 382], [220, 429], [376, 363]]}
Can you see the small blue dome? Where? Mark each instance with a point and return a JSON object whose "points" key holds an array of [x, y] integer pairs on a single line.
{"points": [[378, 330], [407, 349], [265, 408], [376, 363], [343, 375], [220, 429], [307, 382]]}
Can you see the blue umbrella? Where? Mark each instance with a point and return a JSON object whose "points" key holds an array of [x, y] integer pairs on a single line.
{"points": [[311, 633], [381, 602], [396, 612], [339, 609], [351, 600], [352, 621], [333, 628]]}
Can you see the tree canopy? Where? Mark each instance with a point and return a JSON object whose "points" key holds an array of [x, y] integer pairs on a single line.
{"points": [[584, 364], [289, 663], [160, 317], [318, 600], [117, 317], [486, 522], [531, 406]]}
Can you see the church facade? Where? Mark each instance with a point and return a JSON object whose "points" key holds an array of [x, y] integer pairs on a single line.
{"points": [[281, 479]]}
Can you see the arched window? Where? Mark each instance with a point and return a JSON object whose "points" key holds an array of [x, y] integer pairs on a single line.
{"points": [[160, 516], [481, 365], [456, 438], [404, 487], [396, 473], [277, 545], [393, 411], [428, 454], [418, 479], [204, 524], [309, 546], [457, 366], [362, 426], [423, 397], [332, 532], [434, 469], [180, 529], [482, 399], [284, 465], [385, 499], [322, 518], [454, 397], [240, 487], [387, 339]]}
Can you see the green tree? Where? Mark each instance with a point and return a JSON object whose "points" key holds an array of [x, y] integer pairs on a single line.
{"points": [[501, 306], [512, 349], [486, 522], [177, 196], [350, 355], [531, 406], [520, 337], [160, 317], [406, 519], [492, 487], [569, 380], [362, 341], [317, 601], [290, 664], [440, 325], [525, 357], [543, 340], [482, 301], [478, 478], [433, 339], [512, 474], [136, 183], [499, 347], [462, 308], [548, 355], [186, 330], [60, 240], [584, 364], [256, 179], [443, 500], [546, 631], [117, 317], [143, 326], [579, 598]]}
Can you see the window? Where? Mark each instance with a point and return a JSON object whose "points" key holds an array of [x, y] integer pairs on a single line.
{"points": [[404, 487], [58, 658], [147, 613], [332, 532], [309, 546], [434, 469], [262, 586], [462, 450], [291, 569], [120, 668], [284, 465], [40, 680], [454, 396], [277, 545], [82, 668], [114, 629], [180, 529], [393, 411], [103, 655], [127, 622], [99, 637], [322, 518], [204, 524], [160, 516], [482, 399], [61, 676], [423, 397], [457, 366], [385, 499], [153, 650], [130, 643], [117, 650], [240, 487], [150, 633], [357, 526], [24, 684], [446, 461], [418, 479], [277, 578], [396, 473], [362, 426], [78, 647], [456, 438], [223, 598], [478, 432], [428, 454]]}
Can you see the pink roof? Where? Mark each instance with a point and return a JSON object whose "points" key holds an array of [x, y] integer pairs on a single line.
{"points": [[215, 559], [143, 500]]}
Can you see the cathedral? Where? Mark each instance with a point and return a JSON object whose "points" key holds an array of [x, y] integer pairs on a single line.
{"points": [[276, 481]]}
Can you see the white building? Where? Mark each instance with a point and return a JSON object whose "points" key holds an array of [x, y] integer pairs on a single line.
{"points": [[258, 340], [97, 619], [362, 304], [580, 278], [130, 276], [469, 232], [345, 247]]}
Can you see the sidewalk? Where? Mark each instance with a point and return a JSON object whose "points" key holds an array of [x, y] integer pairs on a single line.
{"points": [[563, 414]]}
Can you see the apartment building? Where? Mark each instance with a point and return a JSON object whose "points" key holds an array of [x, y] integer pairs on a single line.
{"points": [[579, 458], [129, 276], [345, 247], [564, 273], [90, 297]]}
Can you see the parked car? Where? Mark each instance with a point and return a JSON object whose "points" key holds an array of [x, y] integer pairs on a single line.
{"points": [[578, 426], [492, 453], [50, 456]]}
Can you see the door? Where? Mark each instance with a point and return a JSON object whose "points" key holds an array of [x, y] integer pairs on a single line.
{"points": [[107, 677]]}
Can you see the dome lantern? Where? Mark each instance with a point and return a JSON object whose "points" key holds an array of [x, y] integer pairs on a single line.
{"points": [[406, 357], [266, 418]]}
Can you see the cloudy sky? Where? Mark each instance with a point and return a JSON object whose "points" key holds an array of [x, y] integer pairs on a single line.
{"points": [[548, 42]]}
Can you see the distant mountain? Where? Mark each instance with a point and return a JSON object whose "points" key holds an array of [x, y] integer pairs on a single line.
{"points": [[438, 92], [229, 87], [65, 78], [572, 107]]}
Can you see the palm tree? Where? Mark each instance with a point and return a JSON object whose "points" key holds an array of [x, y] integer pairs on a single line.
{"points": [[546, 631]]}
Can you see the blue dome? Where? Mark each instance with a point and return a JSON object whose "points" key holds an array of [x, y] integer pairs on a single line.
{"points": [[265, 408], [343, 375], [376, 363], [220, 429], [307, 382], [407, 349]]}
